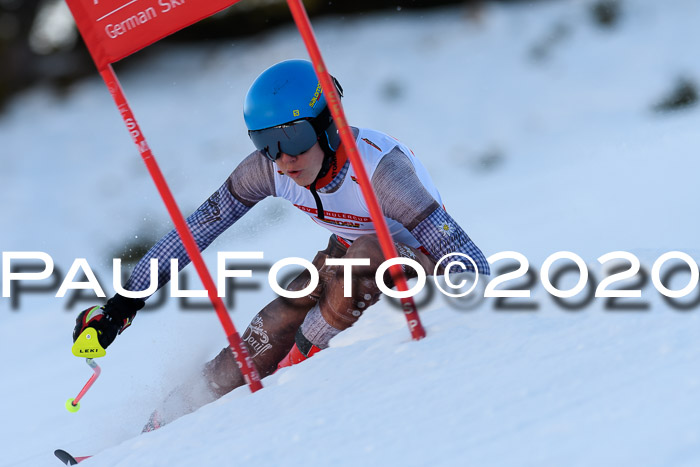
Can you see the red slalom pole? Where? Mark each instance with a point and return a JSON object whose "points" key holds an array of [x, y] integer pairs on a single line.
{"points": [[73, 405], [250, 373], [304, 25]]}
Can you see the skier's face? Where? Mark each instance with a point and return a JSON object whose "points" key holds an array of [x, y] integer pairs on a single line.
{"points": [[303, 168]]}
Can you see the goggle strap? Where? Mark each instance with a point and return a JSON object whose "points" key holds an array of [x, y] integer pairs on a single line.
{"points": [[321, 121]]}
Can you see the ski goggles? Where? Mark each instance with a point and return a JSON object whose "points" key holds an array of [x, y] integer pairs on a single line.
{"points": [[292, 138]]}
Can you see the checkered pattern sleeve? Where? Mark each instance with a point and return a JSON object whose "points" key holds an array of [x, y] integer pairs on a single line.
{"points": [[209, 221], [442, 235]]}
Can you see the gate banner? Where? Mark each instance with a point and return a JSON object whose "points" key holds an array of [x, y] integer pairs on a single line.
{"points": [[114, 29]]}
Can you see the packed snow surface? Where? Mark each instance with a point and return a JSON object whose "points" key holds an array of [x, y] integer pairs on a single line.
{"points": [[537, 125]]}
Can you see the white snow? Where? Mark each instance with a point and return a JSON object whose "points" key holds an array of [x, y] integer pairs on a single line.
{"points": [[579, 162]]}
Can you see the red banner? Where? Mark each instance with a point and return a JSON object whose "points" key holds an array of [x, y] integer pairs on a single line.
{"points": [[114, 29]]}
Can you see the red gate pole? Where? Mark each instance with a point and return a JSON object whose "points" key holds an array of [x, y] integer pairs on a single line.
{"points": [[250, 374], [304, 25]]}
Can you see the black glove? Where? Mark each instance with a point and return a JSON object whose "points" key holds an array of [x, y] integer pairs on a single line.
{"points": [[109, 320]]}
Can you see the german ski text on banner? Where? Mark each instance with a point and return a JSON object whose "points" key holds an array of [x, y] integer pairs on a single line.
{"points": [[115, 29]]}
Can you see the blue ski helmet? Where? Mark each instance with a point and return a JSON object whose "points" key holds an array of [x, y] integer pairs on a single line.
{"points": [[285, 110], [283, 93]]}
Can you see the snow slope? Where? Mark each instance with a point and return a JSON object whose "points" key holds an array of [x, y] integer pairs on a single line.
{"points": [[532, 155]]}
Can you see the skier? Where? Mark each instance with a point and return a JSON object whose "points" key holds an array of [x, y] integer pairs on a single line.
{"points": [[299, 157]]}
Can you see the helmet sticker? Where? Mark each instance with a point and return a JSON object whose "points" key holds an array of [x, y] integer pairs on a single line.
{"points": [[317, 95]]}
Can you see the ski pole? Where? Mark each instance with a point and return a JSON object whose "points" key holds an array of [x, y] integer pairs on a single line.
{"points": [[73, 404]]}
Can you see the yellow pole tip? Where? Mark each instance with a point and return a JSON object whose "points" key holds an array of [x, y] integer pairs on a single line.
{"points": [[70, 407]]}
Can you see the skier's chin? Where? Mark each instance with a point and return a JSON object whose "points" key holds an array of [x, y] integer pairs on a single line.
{"points": [[300, 177]]}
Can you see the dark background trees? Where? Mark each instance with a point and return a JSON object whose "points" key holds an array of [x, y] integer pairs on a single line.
{"points": [[27, 58]]}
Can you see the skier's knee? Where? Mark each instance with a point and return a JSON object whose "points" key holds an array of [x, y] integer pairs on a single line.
{"points": [[367, 246], [340, 311]]}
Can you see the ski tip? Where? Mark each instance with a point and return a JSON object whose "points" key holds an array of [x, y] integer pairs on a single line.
{"points": [[64, 457]]}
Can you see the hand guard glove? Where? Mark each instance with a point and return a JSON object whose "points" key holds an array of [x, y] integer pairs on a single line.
{"points": [[109, 320]]}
